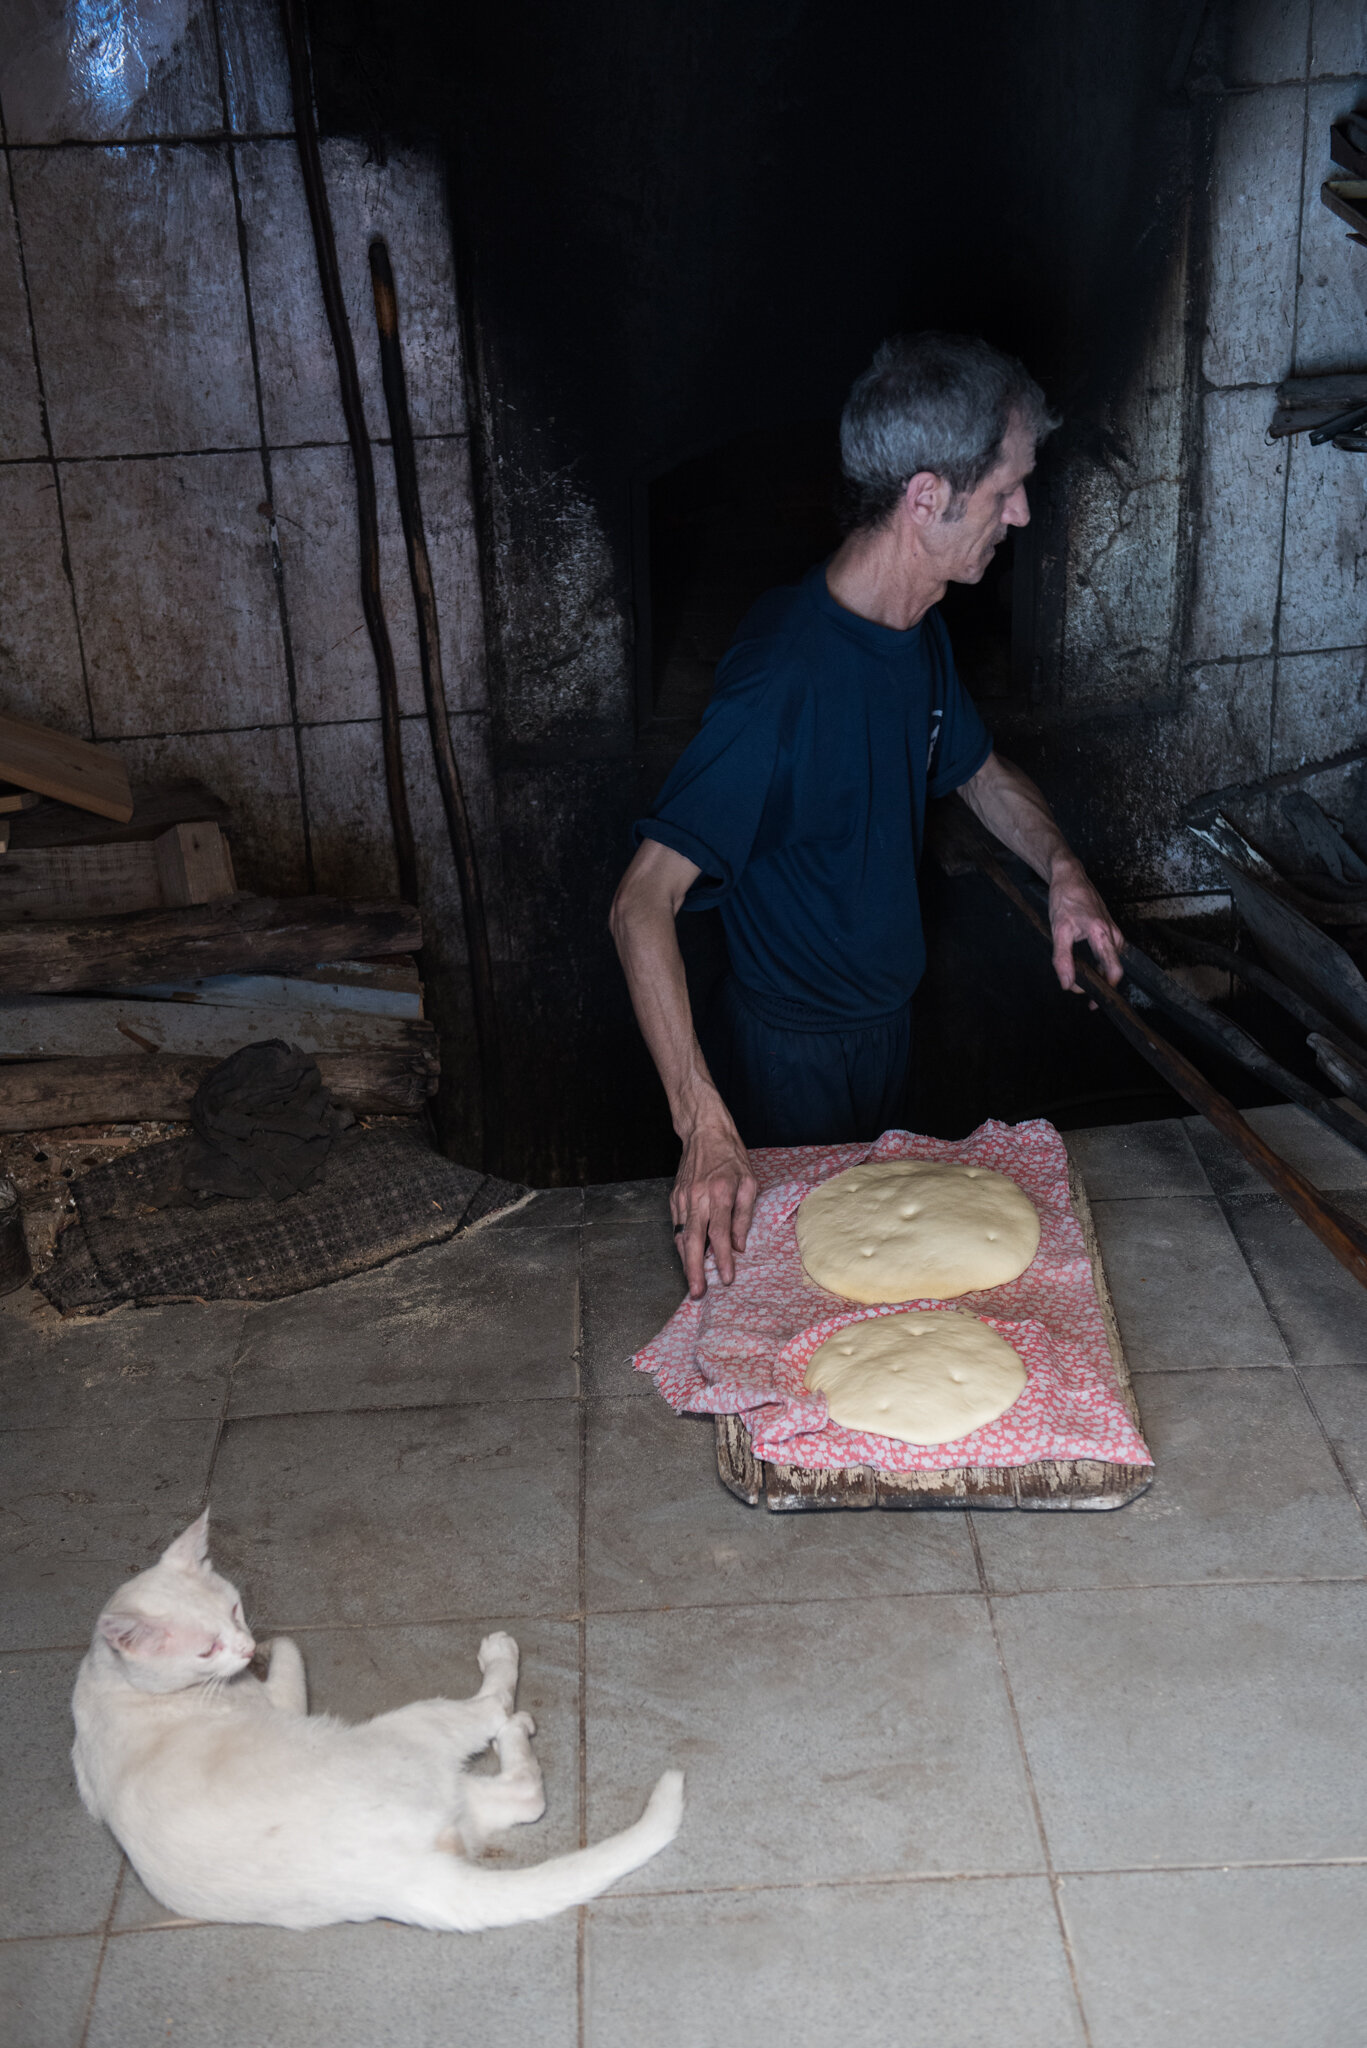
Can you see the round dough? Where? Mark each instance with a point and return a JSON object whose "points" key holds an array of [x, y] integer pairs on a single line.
{"points": [[902, 1229], [925, 1378]]}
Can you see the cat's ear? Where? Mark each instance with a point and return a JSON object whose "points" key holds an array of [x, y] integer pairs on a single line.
{"points": [[191, 1547], [133, 1634]]}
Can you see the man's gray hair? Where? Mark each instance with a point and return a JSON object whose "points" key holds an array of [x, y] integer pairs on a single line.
{"points": [[936, 402]]}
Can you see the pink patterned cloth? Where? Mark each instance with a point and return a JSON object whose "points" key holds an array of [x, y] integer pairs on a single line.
{"points": [[743, 1350]]}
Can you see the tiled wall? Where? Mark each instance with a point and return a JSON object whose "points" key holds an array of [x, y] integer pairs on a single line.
{"points": [[179, 567], [1247, 623]]}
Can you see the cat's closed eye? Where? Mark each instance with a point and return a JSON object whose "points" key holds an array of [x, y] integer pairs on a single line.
{"points": [[212, 1650]]}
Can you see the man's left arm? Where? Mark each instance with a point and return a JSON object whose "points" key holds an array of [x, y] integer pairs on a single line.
{"points": [[1009, 804]]}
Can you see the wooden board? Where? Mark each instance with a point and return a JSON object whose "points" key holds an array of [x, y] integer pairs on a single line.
{"points": [[41, 1095], [185, 864], [242, 934], [382, 988], [17, 799], [154, 809], [95, 1027], [1053, 1483], [93, 778]]}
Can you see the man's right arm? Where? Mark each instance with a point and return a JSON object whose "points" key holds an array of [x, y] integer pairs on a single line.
{"points": [[714, 1192]]}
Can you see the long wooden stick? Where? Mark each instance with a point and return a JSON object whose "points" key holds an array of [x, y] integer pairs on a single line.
{"points": [[367, 516], [458, 826], [1340, 1233]]}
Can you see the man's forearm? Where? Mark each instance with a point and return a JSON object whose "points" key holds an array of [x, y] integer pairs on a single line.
{"points": [[1014, 808], [648, 947]]}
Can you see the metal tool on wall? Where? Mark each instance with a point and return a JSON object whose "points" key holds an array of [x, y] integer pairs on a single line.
{"points": [[434, 690], [1339, 1232], [367, 515]]}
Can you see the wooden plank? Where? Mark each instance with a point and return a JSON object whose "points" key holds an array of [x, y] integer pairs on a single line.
{"points": [[92, 1027], [194, 863], [77, 881], [1307, 402], [12, 799], [154, 808], [241, 934], [363, 985], [93, 778], [1051, 1484], [38, 1095], [1303, 953]]}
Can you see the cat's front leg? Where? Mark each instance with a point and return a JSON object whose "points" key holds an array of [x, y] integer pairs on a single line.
{"points": [[286, 1686], [498, 1662]]}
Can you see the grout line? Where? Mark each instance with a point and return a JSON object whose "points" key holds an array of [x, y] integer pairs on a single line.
{"points": [[49, 460], [263, 441], [106, 1931], [581, 1584], [211, 732], [1055, 1889], [291, 448], [124, 145]]}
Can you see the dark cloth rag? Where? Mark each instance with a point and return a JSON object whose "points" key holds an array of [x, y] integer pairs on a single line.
{"points": [[264, 1124]]}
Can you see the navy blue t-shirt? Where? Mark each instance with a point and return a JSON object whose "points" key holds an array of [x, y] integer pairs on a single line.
{"points": [[802, 799]]}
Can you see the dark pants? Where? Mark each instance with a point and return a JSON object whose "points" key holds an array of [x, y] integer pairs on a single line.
{"points": [[788, 1083]]}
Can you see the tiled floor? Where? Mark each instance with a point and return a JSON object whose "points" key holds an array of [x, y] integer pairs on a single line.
{"points": [[1053, 1778]]}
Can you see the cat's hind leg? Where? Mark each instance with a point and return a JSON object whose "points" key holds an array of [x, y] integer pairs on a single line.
{"points": [[517, 1794], [286, 1686]]}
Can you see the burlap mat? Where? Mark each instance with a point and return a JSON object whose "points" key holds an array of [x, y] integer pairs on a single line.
{"points": [[386, 1192]]}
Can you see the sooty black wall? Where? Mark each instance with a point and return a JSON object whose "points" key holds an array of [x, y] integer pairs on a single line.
{"points": [[681, 226]]}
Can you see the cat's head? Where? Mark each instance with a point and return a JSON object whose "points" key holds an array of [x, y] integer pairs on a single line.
{"points": [[178, 1624]]}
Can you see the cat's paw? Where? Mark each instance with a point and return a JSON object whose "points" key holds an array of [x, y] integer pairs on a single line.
{"points": [[497, 1648], [523, 1720]]}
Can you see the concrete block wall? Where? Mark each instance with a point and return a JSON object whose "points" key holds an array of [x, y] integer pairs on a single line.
{"points": [[179, 575]]}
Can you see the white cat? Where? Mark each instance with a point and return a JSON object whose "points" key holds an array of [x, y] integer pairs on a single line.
{"points": [[233, 1802]]}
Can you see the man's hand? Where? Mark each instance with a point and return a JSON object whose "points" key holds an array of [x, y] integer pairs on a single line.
{"points": [[713, 1201], [1077, 912]]}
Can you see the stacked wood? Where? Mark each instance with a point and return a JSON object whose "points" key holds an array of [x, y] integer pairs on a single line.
{"points": [[41, 1095], [38, 759]]}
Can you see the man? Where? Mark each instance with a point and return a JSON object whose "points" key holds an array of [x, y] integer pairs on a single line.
{"points": [[798, 809]]}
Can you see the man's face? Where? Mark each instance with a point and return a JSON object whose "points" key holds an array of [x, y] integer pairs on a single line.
{"points": [[968, 533]]}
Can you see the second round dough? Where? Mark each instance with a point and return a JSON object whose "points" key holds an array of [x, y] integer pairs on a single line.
{"points": [[926, 1378], [905, 1229]]}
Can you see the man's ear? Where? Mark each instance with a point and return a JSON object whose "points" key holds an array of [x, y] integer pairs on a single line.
{"points": [[133, 1634], [191, 1547], [925, 497]]}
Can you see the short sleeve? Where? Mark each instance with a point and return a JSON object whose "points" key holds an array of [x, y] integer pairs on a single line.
{"points": [[959, 741], [710, 808]]}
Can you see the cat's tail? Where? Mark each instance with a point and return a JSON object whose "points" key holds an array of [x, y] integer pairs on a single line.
{"points": [[462, 1897]]}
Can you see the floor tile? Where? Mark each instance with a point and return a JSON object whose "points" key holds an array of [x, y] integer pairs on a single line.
{"points": [[144, 72], [1338, 1395], [921, 1965], [1245, 1489], [1183, 1295], [839, 1739], [1226, 1958], [1119, 1161], [1205, 1724], [45, 1989], [57, 1866], [343, 1987], [484, 1317], [361, 1672], [628, 1201], [81, 1510], [407, 1516], [1320, 1308], [633, 1283], [1301, 1140], [169, 1364], [549, 1208], [662, 1531]]}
